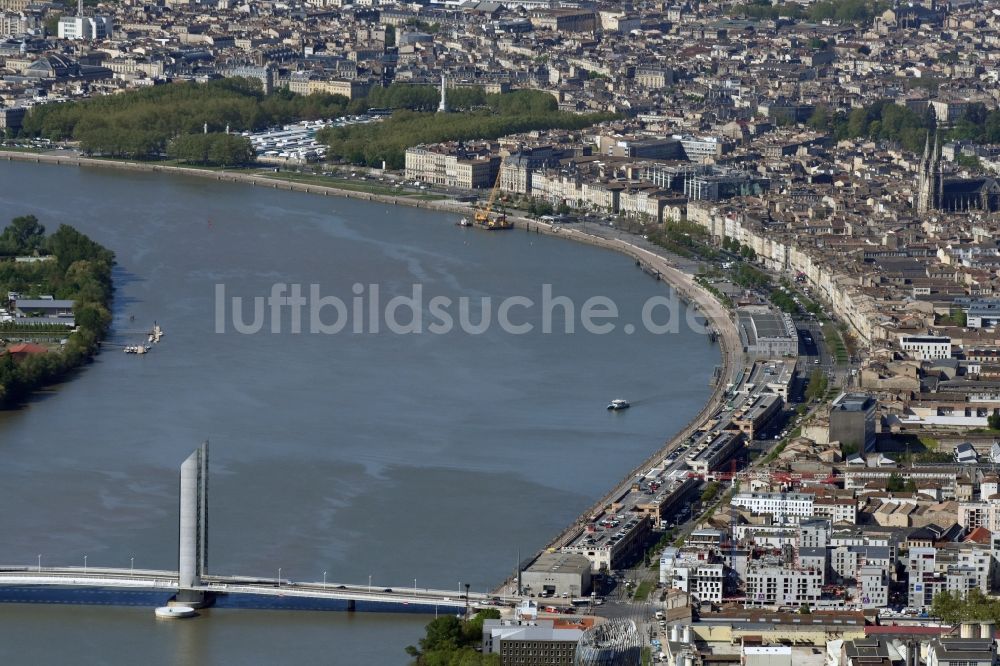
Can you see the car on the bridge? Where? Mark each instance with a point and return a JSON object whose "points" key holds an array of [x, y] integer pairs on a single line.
{"points": [[341, 587], [388, 589]]}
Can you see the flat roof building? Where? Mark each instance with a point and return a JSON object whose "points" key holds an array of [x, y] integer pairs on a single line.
{"points": [[926, 347], [541, 642], [767, 333], [558, 574], [852, 420]]}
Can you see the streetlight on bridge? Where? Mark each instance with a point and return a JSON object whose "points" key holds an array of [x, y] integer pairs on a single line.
{"points": [[131, 566], [84, 565], [279, 576], [324, 579], [39, 563], [369, 583]]}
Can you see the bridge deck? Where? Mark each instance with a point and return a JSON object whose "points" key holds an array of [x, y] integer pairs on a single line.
{"points": [[144, 587]]}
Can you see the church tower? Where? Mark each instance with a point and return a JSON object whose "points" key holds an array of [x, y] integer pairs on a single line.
{"points": [[929, 182]]}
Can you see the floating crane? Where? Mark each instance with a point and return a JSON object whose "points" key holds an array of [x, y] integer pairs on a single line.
{"points": [[485, 217]]}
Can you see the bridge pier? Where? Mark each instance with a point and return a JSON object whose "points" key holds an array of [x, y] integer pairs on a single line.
{"points": [[193, 599], [193, 538]]}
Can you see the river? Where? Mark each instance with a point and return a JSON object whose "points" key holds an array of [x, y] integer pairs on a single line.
{"points": [[435, 457]]}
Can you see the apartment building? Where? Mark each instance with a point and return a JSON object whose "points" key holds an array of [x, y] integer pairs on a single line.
{"points": [[814, 533], [784, 507], [837, 509], [452, 166], [846, 562], [956, 568], [769, 585], [926, 347], [693, 572], [873, 587]]}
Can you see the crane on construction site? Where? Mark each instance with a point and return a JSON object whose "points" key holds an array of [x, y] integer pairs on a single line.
{"points": [[485, 217]]}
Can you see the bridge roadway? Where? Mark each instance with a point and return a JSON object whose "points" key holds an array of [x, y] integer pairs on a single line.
{"points": [[147, 587]]}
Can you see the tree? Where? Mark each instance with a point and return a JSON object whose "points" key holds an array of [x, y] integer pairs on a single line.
{"points": [[140, 123], [473, 630], [218, 149], [974, 606], [821, 118], [817, 386], [969, 162], [52, 25], [69, 246], [490, 117], [24, 235], [449, 641], [994, 421], [895, 483], [804, 609], [441, 633]]}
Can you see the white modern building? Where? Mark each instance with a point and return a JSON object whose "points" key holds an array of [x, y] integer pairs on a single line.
{"points": [[926, 347], [784, 507], [698, 577], [84, 27], [771, 585], [957, 569], [873, 587], [837, 509]]}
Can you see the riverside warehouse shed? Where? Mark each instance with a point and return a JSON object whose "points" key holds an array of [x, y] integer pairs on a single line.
{"points": [[557, 575], [767, 333]]}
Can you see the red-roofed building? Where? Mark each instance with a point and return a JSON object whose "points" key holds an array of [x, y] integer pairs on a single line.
{"points": [[24, 349], [980, 535]]}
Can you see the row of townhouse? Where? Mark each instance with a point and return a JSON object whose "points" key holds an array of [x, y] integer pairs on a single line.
{"points": [[782, 252], [452, 166], [633, 199], [783, 507]]}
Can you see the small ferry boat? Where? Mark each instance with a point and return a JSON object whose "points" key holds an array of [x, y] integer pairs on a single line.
{"points": [[174, 612], [464, 222], [618, 404]]}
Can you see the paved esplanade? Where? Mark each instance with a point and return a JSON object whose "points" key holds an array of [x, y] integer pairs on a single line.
{"points": [[191, 585]]}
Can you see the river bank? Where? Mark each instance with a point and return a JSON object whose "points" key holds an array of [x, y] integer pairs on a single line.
{"points": [[55, 337], [682, 282]]}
